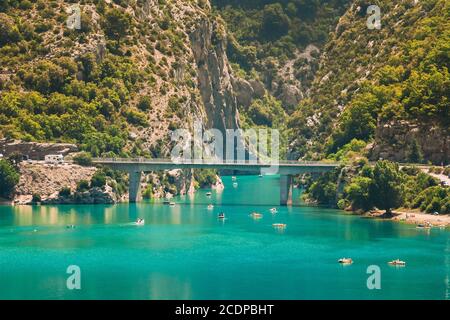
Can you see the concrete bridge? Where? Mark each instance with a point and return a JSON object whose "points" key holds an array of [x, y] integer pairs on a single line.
{"points": [[286, 169]]}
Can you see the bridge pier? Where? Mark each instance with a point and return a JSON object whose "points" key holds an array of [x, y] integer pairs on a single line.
{"points": [[285, 190], [134, 188]]}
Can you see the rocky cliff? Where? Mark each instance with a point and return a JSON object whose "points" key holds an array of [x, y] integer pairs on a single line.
{"points": [[396, 141], [35, 150]]}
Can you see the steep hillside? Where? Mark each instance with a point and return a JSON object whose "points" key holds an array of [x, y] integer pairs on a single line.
{"points": [[388, 87], [134, 71], [279, 42]]}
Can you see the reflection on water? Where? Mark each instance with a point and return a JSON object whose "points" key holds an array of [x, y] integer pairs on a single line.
{"points": [[186, 252]]}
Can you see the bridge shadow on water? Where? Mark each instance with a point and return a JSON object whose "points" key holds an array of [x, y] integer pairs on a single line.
{"points": [[244, 191]]}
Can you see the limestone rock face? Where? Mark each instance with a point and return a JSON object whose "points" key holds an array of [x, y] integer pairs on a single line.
{"points": [[290, 95], [35, 150], [393, 141], [214, 76], [47, 180], [258, 89], [183, 180], [244, 92]]}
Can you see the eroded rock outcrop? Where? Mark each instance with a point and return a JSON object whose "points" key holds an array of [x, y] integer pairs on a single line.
{"points": [[35, 150], [214, 76], [395, 140]]}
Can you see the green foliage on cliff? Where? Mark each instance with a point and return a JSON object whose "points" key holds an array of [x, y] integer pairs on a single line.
{"points": [[398, 74], [261, 29], [434, 199], [9, 177], [205, 177], [383, 186], [62, 95]]}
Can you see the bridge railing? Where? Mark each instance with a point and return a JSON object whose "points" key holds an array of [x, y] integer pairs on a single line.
{"points": [[211, 161]]}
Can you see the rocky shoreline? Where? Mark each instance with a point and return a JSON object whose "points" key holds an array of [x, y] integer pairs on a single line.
{"points": [[43, 183]]}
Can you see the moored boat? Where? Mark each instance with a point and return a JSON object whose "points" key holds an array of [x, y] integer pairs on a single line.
{"points": [[345, 261], [140, 222], [256, 215], [397, 262]]}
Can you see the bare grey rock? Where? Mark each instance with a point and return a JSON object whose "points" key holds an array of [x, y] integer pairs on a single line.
{"points": [[35, 150]]}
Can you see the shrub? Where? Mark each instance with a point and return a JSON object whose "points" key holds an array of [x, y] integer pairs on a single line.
{"points": [[83, 159], [205, 177], [148, 192], [36, 198], [9, 177], [343, 204], [65, 192], [82, 185], [98, 180], [135, 117], [145, 103]]}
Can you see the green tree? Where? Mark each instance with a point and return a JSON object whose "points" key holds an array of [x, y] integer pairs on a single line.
{"points": [[36, 198], [386, 188], [83, 159], [415, 153], [358, 192], [82, 185], [117, 24], [98, 180], [65, 192], [9, 177], [275, 22]]}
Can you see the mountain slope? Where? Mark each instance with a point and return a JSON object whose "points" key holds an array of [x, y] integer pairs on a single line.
{"points": [[133, 72], [389, 86]]}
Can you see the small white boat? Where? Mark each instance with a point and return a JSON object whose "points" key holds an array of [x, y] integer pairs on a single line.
{"points": [[273, 210], [140, 222], [256, 215], [172, 204], [397, 262], [208, 194], [345, 261], [221, 216], [233, 178], [260, 176], [280, 226], [210, 207], [235, 184]]}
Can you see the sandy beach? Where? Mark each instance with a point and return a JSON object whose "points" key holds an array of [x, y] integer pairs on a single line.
{"points": [[413, 217]]}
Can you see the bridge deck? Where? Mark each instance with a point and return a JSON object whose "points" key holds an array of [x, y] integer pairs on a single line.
{"points": [[143, 164]]}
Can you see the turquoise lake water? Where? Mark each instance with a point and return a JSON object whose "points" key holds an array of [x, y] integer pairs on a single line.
{"points": [[185, 252]]}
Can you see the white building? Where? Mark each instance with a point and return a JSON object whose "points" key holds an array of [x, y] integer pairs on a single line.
{"points": [[54, 158]]}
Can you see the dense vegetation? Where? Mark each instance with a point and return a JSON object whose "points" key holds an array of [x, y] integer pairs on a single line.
{"points": [[398, 75], [9, 177], [90, 86], [80, 99], [264, 29], [383, 186]]}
